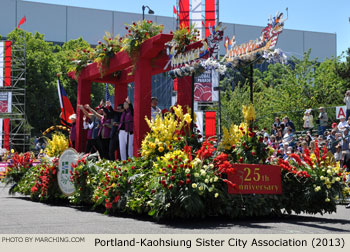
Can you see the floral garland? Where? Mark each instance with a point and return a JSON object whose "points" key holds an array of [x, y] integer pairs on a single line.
{"points": [[106, 50], [138, 33], [197, 68], [186, 36], [275, 56], [81, 59], [187, 70], [211, 63], [182, 38]]}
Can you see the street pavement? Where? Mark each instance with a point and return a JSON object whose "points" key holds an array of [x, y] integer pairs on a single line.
{"points": [[20, 215]]}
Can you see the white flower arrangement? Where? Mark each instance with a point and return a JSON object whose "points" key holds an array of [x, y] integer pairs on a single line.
{"points": [[275, 56], [211, 63], [197, 68]]}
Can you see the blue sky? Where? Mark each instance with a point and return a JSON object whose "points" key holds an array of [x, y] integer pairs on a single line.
{"points": [[311, 15]]}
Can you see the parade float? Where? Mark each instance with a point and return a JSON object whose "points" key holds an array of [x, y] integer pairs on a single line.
{"points": [[177, 173], [178, 176]]}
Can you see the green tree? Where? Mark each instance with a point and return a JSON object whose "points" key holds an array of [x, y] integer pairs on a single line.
{"points": [[44, 61], [343, 68], [65, 56], [41, 68], [287, 90]]}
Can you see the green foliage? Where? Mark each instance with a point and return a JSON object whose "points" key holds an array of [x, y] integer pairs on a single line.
{"points": [[185, 36], [138, 33], [19, 166], [286, 90], [44, 61], [40, 182], [174, 186], [84, 180], [343, 68], [106, 50], [232, 102], [41, 68], [115, 182], [65, 56], [250, 150], [81, 59]]}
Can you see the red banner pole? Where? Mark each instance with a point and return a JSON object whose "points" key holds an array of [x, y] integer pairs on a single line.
{"points": [[210, 124], [7, 83], [184, 13], [209, 15]]}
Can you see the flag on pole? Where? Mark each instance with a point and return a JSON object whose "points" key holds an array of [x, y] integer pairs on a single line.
{"points": [[66, 107], [107, 95], [22, 21], [175, 11]]}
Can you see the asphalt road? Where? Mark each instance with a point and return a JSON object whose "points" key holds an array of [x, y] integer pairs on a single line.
{"points": [[19, 215]]}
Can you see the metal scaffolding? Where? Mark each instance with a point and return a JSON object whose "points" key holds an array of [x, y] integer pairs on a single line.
{"points": [[19, 130]]}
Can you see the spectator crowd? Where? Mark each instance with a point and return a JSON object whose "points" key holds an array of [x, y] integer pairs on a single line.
{"points": [[284, 138]]}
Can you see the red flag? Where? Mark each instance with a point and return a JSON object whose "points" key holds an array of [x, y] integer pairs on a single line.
{"points": [[66, 107], [175, 11], [23, 20]]}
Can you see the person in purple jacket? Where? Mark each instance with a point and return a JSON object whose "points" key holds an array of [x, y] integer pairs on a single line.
{"points": [[91, 124], [105, 133], [104, 130], [126, 130]]}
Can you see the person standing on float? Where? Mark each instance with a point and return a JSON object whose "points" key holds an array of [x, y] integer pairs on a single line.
{"points": [[126, 130], [103, 131], [73, 133], [114, 142], [155, 110]]}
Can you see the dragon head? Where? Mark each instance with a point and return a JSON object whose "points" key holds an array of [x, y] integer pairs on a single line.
{"points": [[278, 23]]}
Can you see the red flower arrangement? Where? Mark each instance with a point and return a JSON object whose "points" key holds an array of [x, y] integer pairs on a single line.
{"points": [[206, 151]]}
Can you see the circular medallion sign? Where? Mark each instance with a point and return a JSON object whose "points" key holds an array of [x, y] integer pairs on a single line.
{"points": [[68, 157]]}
